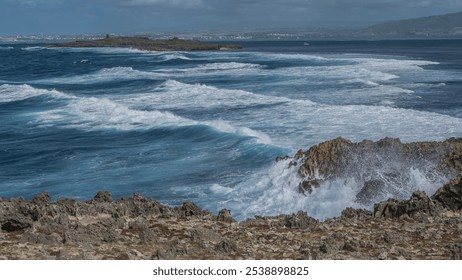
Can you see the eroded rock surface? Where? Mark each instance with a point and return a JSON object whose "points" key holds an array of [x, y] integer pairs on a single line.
{"points": [[422, 226], [139, 228], [376, 166]]}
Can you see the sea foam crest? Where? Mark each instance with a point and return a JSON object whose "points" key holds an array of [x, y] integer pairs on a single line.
{"points": [[90, 113], [387, 64], [104, 75], [296, 56], [33, 49], [178, 94], [10, 93], [223, 66], [174, 56]]}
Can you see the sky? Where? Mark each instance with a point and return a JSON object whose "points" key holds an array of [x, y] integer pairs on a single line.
{"points": [[70, 17]]}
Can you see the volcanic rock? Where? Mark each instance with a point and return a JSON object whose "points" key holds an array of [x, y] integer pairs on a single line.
{"points": [[143, 43], [374, 165], [450, 195]]}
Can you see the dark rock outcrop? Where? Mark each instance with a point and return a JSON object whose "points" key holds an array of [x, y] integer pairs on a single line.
{"points": [[450, 195], [374, 165], [143, 43], [225, 216], [418, 204]]}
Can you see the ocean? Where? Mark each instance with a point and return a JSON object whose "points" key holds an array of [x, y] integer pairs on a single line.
{"points": [[207, 126]]}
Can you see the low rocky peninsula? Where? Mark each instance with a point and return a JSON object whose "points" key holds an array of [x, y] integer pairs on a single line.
{"points": [[146, 44], [424, 226]]}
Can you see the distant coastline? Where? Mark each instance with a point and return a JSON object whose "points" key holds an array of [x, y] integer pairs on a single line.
{"points": [[146, 44]]}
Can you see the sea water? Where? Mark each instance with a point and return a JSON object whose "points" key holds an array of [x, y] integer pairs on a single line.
{"points": [[207, 126]]}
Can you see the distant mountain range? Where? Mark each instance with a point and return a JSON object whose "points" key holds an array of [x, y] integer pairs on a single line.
{"points": [[448, 25]]}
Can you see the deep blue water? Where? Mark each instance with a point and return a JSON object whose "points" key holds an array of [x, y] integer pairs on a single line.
{"points": [[207, 126]]}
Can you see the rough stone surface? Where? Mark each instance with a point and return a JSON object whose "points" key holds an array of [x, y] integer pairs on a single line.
{"points": [[139, 228], [450, 195], [376, 163], [420, 227]]}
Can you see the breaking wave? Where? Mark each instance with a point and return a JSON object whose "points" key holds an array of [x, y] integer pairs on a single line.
{"points": [[90, 113], [104, 76], [276, 191], [11, 93]]}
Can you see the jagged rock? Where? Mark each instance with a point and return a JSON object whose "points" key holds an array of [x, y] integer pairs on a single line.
{"points": [[305, 251], [350, 246], [355, 215], [371, 190], [38, 238], [225, 247], [42, 199], [392, 238], [279, 158], [456, 251], [173, 252], [102, 197], [16, 223], [374, 164], [418, 203], [225, 216], [300, 220], [190, 209], [203, 234], [450, 195], [93, 233]]}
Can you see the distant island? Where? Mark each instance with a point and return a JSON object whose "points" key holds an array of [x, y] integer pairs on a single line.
{"points": [[146, 44]]}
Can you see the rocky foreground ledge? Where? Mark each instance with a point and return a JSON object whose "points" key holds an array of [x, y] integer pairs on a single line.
{"points": [[420, 227], [146, 44]]}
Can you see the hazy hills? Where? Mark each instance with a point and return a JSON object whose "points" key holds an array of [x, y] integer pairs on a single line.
{"points": [[448, 25]]}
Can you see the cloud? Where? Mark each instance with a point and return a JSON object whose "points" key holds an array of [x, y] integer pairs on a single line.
{"points": [[172, 3], [34, 3]]}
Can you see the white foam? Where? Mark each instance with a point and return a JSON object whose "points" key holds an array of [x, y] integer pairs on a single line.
{"points": [[387, 103], [220, 190], [32, 49], [92, 113], [174, 94], [276, 192], [301, 123], [227, 127], [83, 61], [10, 93], [223, 66], [338, 73], [296, 56], [174, 56], [387, 64], [103, 75]]}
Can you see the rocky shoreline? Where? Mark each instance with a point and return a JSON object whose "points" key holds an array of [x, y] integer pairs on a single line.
{"points": [[146, 44], [420, 227]]}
